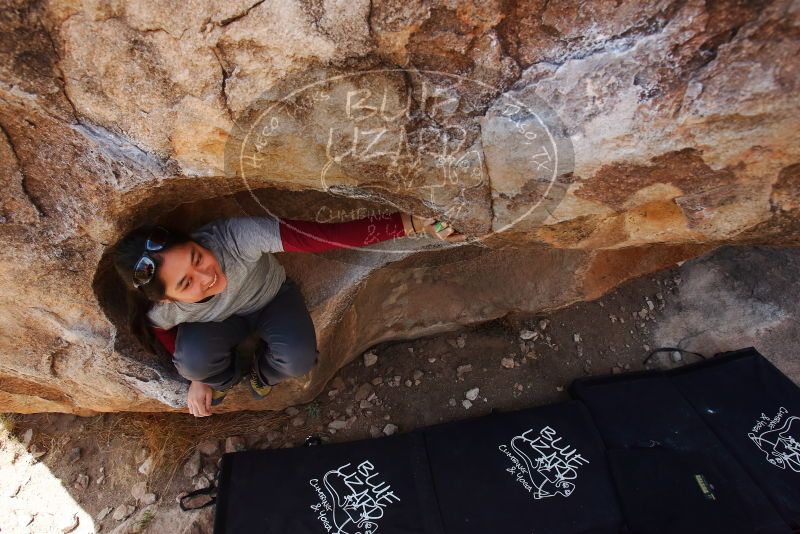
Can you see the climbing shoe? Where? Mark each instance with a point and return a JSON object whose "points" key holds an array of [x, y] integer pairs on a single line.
{"points": [[257, 386], [217, 396]]}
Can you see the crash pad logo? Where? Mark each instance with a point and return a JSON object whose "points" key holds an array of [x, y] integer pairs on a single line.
{"points": [[543, 463], [352, 499], [779, 438]]}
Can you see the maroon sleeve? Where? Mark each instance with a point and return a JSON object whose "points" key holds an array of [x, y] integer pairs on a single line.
{"points": [[166, 337], [310, 236]]}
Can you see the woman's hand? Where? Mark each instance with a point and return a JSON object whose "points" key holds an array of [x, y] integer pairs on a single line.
{"points": [[429, 225], [199, 399]]}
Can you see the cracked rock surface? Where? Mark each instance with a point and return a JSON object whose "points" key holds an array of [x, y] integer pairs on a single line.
{"points": [[593, 141]]}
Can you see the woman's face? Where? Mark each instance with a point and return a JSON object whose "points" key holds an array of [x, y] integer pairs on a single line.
{"points": [[190, 273]]}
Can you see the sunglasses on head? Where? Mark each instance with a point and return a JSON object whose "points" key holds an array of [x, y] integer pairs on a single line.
{"points": [[145, 268]]}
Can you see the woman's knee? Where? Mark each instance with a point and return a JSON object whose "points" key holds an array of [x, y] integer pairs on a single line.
{"points": [[296, 360], [196, 356], [192, 361]]}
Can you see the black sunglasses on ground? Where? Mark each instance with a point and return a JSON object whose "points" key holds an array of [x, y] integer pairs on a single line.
{"points": [[146, 267]]}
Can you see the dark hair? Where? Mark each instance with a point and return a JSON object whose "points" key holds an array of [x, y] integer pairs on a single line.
{"points": [[125, 253]]}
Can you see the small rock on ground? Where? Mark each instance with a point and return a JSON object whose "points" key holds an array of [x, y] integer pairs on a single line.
{"points": [[122, 512], [370, 359]]}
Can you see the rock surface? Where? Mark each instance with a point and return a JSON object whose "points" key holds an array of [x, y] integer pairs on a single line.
{"points": [[748, 299], [674, 126]]}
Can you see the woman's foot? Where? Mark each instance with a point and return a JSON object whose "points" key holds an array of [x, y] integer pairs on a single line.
{"points": [[217, 396], [257, 386]]}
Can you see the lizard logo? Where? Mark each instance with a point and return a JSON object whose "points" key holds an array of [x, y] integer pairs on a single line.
{"points": [[543, 464]]}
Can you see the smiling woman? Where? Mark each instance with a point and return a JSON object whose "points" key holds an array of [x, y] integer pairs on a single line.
{"points": [[197, 296], [194, 273]]}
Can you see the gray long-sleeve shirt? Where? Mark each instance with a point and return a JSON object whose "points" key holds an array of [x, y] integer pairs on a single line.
{"points": [[243, 247]]}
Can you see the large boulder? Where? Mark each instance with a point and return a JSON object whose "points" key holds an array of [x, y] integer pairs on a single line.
{"points": [[581, 143]]}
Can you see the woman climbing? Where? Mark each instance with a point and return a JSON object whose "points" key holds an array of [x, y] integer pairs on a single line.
{"points": [[193, 298]]}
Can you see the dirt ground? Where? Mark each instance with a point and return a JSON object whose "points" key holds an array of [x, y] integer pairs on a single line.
{"points": [[130, 468]]}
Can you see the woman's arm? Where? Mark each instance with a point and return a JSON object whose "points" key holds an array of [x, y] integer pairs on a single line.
{"points": [[250, 237], [310, 236]]}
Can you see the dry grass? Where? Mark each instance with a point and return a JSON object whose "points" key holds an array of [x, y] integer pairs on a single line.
{"points": [[143, 523], [7, 422], [169, 438], [172, 438]]}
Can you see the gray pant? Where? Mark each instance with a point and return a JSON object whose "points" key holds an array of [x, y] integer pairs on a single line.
{"points": [[204, 351]]}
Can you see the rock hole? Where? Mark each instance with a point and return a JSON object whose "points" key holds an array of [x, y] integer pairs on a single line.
{"points": [[187, 216]]}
